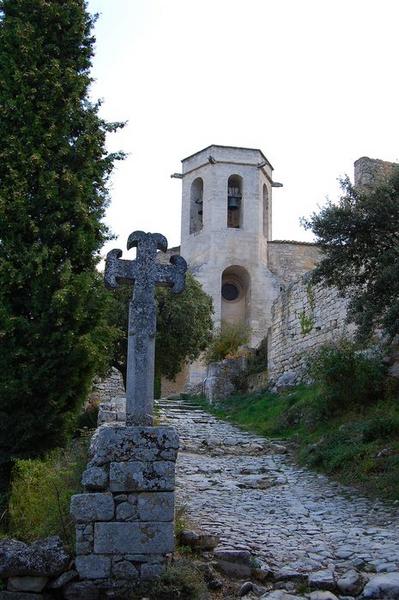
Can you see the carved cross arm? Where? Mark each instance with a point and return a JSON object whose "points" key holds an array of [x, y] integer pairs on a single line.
{"points": [[172, 275], [118, 270]]}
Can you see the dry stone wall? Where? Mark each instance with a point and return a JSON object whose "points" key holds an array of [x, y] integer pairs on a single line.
{"points": [[303, 318], [125, 518], [106, 389]]}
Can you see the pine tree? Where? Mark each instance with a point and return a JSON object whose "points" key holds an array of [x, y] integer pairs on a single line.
{"points": [[53, 174]]}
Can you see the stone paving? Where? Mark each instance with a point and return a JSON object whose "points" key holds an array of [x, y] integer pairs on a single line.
{"points": [[247, 490]]}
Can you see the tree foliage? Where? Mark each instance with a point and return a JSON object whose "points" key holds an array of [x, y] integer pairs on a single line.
{"points": [[184, 326], [359, 238], [53, 174]]}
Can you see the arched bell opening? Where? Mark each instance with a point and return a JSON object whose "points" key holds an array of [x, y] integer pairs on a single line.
{"points": [[265, 211], [235, 288], [234, 202], [196, 205]]}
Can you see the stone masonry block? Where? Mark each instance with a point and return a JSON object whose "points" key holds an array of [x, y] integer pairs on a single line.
{"points": [[133, 538], [93, 566], [144, 558], [116, 443], [26, 584], [125, 511], [95, 478], [138, 476], [123, 569], [92, 507], [158, 506], [84, 538]]}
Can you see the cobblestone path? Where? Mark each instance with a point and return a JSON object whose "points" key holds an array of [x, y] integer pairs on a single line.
{"points": [[247, 490]]}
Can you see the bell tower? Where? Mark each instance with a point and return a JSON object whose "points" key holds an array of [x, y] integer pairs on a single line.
{"points": [[226, 226]]}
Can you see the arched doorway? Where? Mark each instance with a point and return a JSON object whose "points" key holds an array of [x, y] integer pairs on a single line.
{"points": [[235, 287]]}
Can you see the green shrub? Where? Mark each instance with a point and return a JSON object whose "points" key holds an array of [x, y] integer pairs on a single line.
{"points": [[347, 376], [381, 427], [87, 419], [41, 491], [183, 581], [227, 341], [333, 453], [305, 407]]}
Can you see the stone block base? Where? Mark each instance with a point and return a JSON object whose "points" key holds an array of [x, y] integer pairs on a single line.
{"points": [[125, 519]]}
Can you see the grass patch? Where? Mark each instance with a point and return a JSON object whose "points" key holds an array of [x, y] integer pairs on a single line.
{"points": [[40, 494], [269, 414], [357, 444], [181, 580]]}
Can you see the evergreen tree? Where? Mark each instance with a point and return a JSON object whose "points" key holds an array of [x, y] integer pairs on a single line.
{"points": [[359, 239], [53, 174], [184, 326]]}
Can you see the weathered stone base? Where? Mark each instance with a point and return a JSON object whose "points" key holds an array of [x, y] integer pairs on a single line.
{"points": [[125, 520]]}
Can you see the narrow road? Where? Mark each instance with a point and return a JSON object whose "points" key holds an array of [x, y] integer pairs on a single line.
{"points": [[246, 489]]}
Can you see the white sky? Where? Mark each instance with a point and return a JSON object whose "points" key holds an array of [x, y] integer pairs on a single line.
{"points": [[312, 83]]}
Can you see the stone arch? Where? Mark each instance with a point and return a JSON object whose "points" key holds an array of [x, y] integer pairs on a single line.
{"points": [[234, 201], [196, 205], [235, 290]]}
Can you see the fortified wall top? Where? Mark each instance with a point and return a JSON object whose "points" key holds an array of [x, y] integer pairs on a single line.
{"points": [[370, 171]]}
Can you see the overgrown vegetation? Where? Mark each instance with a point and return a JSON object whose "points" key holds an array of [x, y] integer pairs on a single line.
{"points": [[40, 494], [181, 580], [345, 424], [227, 341], [359, 237], [347, 376], [54, 169], [306, 322]]}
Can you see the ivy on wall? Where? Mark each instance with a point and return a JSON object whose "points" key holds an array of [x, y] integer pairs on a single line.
{"points": [[306, 319], [306, 322]]}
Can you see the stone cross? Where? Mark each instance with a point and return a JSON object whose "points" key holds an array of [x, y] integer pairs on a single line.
{"points": [[146, 273]]}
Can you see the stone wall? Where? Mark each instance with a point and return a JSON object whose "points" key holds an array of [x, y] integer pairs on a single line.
{"points": [[371, 171], [106, 389], [219, 382], [125, 518], [303, 318], [290, 260]]}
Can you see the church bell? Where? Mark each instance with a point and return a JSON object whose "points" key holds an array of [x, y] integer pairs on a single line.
{"points": [[200, 203], [234, 199]]}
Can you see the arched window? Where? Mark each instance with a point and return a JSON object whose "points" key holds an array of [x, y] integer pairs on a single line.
{"points": [[196, 205], [265, 211], [234, 201]]}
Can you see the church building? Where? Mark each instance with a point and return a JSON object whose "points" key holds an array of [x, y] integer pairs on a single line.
{"points": [[226, 239]]}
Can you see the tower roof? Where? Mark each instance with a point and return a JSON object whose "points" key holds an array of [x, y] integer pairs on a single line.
{"points": [[228, 148]]}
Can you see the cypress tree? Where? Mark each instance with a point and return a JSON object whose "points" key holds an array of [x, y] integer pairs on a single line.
{"points": [[53, 174]]}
